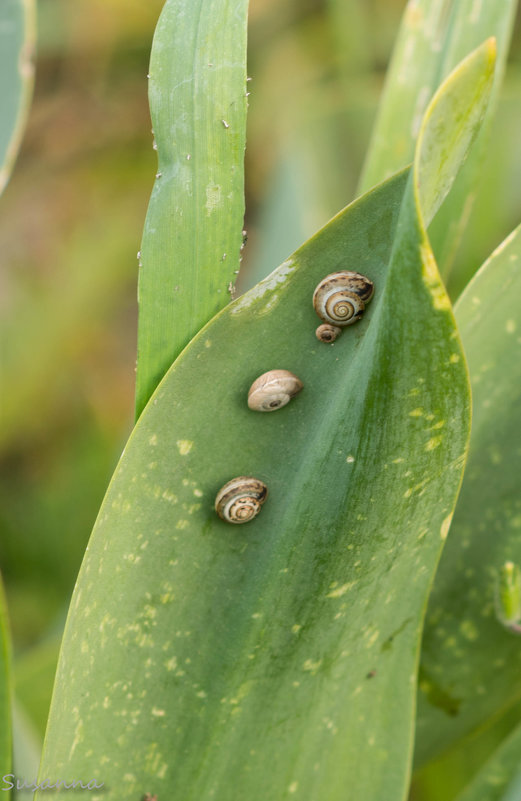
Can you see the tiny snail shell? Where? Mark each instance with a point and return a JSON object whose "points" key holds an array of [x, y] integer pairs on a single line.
{"points": [[273, 390], [340, 298], [240, 499], [327, 333]]}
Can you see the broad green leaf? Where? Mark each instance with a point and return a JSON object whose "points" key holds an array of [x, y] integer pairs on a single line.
{"points": [[278, 660], [192, 237], [500, 777], [434, 36], [16, 78], [470, 662], [5, 712]]}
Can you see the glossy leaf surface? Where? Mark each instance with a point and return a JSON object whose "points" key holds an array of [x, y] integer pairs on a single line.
{"points": [[192, 236], [277, 660]]}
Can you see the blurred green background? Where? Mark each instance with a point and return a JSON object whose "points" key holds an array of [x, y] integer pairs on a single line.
{"points": [[70, 228]]}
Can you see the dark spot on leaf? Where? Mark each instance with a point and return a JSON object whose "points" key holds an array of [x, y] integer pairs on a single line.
{"points": [[437, 696]]}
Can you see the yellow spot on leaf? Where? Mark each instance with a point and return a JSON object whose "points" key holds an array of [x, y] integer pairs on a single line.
{"points": [[338, 592], [213, 197], [184, 446], [312, 665], [444, 530]]}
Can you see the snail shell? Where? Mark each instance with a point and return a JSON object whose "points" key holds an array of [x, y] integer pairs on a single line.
{"points": [[240, 499], [327, 333], [340, 298], [273, 390]]}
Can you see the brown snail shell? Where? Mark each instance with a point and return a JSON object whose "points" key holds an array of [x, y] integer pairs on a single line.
{"points": [[241, 499], [273, 390], [327, 333], [340, 298]]}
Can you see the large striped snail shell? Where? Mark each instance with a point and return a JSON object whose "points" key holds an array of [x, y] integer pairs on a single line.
{"points": [[340, 298], [273, 390], [241, 499]]}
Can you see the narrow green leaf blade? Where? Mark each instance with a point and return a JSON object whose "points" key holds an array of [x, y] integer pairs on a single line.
{"points": [[266, 662], [192, 237], [17, 33], [470, 662]]}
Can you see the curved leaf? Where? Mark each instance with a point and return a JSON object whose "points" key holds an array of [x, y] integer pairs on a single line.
{"points": [[17, 34], [192, 237], [278, 660], [470, 662]]}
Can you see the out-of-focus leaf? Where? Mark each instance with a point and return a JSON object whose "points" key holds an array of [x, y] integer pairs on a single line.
{"points": [[470, 662], [192, 237], [17, 30], [5, 710], [33, 678], [500, 777], [201, 660], [26, 753], [447, 776], [434, 36], [281, 224]]}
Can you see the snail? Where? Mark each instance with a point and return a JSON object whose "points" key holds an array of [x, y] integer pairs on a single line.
{"points": [[327, 333], [340, 298], [273, 390], [240, 499]]}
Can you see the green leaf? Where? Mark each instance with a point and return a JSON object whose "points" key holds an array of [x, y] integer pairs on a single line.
{"points": [[500, 777], [17, 33], [5, 711], [434, 36], [192, 237], [278, 660], [470, 662], [26, 752], [33, 675]]}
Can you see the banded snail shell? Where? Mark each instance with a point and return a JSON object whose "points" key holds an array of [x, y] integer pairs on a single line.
{"points": [[273, 390], [340, 298], [241, 499], [327, 333]]}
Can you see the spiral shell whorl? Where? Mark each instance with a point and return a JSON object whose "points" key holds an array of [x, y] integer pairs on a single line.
{"points": [[241, 499], [273, 390], [340, 298], [327, 333]]}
